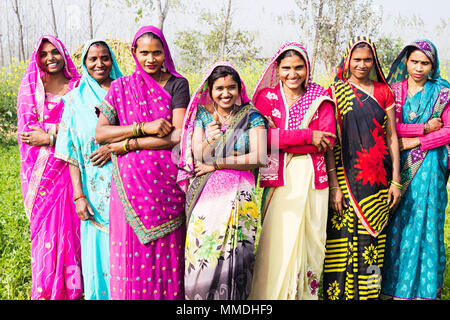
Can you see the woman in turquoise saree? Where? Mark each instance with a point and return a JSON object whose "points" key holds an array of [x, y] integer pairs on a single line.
{"points": [[415, 249], [90, 168]]}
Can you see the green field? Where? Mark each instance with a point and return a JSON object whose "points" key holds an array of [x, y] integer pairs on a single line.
{"points": [[15, 273]]}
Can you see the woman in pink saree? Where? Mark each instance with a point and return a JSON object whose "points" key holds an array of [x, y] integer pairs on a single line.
{"points": [[138, 118], [46, 187]]}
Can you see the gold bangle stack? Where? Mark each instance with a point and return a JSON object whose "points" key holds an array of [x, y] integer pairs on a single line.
{"points": [[138, 129], [397, 185]]}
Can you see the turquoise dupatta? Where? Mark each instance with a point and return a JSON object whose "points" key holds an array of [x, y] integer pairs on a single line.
{"points": [[75, 142]]}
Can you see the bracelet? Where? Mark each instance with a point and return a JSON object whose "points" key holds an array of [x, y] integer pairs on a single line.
{"points": [[426, 127], [216, 165], [397, 185], [331, 170], [332, 188], [142, 128], [125, 144], [52, 139], [75, 198], [135, 132]]}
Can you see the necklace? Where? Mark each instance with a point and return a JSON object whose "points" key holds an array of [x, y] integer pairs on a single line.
{"points": [[221, 118], [160, 77], [413, 114], [293, 98]]}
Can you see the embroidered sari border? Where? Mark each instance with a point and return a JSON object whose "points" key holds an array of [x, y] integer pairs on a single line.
{"points": [[144, 234]]}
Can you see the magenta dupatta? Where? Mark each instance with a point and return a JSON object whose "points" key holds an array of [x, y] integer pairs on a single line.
{"points": [[299, 116], [32, 109], [46, 187], [146, 179], [200, 97]]}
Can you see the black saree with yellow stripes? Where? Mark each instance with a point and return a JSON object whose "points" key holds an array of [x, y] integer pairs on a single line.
{"points": [[356, 239]]}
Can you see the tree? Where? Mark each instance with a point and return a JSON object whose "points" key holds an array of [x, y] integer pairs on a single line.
{"points": [[329, 25], [388, 48], [90, 24], [220, 41], [147, 7], [16, 10], [52, 10], [226, 25]]}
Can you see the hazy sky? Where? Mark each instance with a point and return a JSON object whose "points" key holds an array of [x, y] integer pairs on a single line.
{"points": [[261, 16]]}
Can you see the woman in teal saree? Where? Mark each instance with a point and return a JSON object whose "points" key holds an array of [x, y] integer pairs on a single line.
{"points": [[90, 168], [415, 249]]}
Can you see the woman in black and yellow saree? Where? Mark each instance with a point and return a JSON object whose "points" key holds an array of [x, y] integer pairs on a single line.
{"points": [[364, 177]]}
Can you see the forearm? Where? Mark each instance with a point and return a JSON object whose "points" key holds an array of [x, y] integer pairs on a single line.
{"points": [[245, 162], [435, 139], [409, 130], [107, 133], [155, 143], [331, 168], [283, 138], [394, 151], [75, 177]]}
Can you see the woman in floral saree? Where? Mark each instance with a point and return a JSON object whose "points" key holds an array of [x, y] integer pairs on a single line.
{"points": [[90, 168], [138, 117], [415, 248], [46, 187], [364, 176], [291, 250], [223, 141]]}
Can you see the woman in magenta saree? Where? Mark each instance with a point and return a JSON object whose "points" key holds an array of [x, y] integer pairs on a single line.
{"points": [[46, 187], [147, 231]]}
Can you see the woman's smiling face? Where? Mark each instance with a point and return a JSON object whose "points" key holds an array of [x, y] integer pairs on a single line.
{"points": [[98, 62], [50, 59], [293, 72], [225, 91]]}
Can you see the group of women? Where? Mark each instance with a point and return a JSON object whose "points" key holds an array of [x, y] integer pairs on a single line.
{"points": [[354, 177]]}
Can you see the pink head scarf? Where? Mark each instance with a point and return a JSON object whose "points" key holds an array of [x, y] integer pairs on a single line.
{"points": [[167, 56], [33, 110], [200, 97]]}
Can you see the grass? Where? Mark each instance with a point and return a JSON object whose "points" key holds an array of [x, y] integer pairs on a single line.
{"points": [[15, 273]]}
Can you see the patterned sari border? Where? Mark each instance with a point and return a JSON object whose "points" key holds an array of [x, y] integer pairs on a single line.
{"points": [[144, 235]]}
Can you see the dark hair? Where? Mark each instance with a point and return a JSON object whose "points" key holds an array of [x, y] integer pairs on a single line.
{"points": [[362, 45], [220, 72], [146, 35], [98, 44], [288, 53], [411, 49]]}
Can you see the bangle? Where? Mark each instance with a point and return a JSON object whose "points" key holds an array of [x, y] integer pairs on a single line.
{"points": [[135, 133], [142, 128], [52, 139], [397, 185], [125, 144], [331, 170], [332, 188], [217, 166], [75, 198]]}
